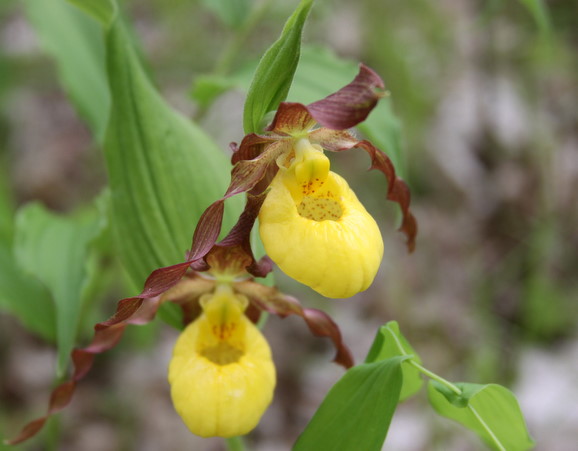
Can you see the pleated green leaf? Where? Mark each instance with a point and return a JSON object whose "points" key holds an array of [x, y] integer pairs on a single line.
{"points": [[388, 343], [75, 42], [274, 73], [163, 169], [357, 411], [56, 250], [491, 411]]}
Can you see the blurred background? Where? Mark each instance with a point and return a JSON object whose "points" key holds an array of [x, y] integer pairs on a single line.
{"points": [[484, 96]]}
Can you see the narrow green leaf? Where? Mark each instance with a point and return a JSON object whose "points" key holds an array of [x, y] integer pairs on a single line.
{"points": [[163, 170], [102, 10], [233, 13], [23, 296], [56, 250], [75, 42], [357, 411], [274, 73], [388, 343], [491, 411]]}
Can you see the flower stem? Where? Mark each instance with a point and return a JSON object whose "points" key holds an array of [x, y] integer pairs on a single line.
{"points": [[435, 377], [235, 444]]}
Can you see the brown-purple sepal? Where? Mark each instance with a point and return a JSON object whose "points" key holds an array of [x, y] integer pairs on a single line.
{"points": [[251, 146], [397, 190], [106, 336], [207, 231], [233, 255], [351, 104], [246, 174], [290, 119], [164, 284], [320, 324]]}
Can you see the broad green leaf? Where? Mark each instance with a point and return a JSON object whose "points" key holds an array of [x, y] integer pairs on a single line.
{"points": [[163, 169], [233, 13], [23, 296], [56, 249], [388, 343], [357, 411], [75, 42], [274, 73], [102, 10], [539, 11], [491, 411]]}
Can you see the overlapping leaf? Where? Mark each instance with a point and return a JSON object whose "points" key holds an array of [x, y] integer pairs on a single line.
{"points": [[388, 343], [491, 411], [357, 411], [56, 250]]}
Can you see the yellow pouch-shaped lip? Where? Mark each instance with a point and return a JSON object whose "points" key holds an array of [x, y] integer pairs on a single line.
{"points": [[325, 239], [222, 376]]}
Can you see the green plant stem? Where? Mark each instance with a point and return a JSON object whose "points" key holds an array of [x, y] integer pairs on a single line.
{"points": [[231, 51], [435, 377], [235, 444], [425, 371]]}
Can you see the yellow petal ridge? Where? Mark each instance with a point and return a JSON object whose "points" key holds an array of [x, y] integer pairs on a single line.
{"points": [[319, 233], [222, 376]]}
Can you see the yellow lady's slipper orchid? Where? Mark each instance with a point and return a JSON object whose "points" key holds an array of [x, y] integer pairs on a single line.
{"points": [[315, 229], [222, 376]]}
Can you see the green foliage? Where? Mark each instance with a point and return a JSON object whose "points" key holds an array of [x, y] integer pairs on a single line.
{"points": [[275, 71], [163, 170], [357, 411], [491, 411], [388, 343], [56, 250], [75, 43], [23, 296]]}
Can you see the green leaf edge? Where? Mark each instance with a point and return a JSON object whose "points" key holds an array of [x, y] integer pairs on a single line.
{"points": [[267, 70]]}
